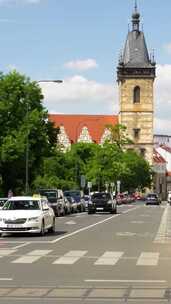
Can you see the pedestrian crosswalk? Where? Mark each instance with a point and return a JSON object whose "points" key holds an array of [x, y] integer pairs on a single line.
{"points": [[107, 258]]}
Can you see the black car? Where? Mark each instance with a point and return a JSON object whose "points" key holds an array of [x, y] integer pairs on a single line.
{"points": [[152, 199], [102, 201]]}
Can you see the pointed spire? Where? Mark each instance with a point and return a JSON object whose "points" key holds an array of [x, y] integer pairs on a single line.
{"points": [[135, 18], [136, 7]]}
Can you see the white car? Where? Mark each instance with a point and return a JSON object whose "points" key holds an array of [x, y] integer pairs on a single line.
{"points": [[27, 214]]}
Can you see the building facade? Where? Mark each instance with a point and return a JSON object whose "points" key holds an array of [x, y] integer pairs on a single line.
{"points": [[136, 74]]}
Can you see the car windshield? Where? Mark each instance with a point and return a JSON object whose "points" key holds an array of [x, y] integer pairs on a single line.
{"points": [[21, 205], [152, 196], [49, 194], [101, 196], [72, 193]]}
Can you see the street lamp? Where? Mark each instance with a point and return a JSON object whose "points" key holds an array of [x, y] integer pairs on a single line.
{"points": [[27, 136]]}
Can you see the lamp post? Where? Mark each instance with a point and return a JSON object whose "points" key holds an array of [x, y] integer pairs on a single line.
{"points": [[27, 136]]}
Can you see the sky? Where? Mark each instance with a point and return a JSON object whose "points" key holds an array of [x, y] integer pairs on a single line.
{"points": [[79, 42]]}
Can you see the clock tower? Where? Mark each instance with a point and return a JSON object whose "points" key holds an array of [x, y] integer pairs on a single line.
{"points": [[136, 75]]}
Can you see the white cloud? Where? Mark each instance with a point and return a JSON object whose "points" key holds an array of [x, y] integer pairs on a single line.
{"points": [[80, 96], [15, 2], [82, 65]]}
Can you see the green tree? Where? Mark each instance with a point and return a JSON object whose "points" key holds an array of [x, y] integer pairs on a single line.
{"points": [[117, 135], [22, 117]]}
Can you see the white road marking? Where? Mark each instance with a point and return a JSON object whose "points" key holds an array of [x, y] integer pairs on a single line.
{"points": [[70, 223], [109, 258], [137, 222], [126, 234], [148, 259], [6, 279], [125, 281], [162, 233], [70, 258], [6, 252], [22, 245], [31, 257]]}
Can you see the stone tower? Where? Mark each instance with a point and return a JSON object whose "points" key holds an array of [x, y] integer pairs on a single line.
{"points": [[136, 74]]}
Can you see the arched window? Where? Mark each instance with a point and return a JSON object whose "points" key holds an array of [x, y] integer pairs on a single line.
{"points": [[136, 95]]}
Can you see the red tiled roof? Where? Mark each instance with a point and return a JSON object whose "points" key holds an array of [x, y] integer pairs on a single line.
{"points": [[166, 148], [73, 124], [157, 158]]}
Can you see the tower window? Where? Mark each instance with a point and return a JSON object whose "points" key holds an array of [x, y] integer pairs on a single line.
{"points": [[142, 152], [136, 97], [136, 133]]}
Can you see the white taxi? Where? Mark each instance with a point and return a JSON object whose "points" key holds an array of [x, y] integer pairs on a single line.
{"points": [[27, 214]]}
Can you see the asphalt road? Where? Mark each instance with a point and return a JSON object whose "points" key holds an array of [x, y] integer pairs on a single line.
{"points": [[101, 258]]}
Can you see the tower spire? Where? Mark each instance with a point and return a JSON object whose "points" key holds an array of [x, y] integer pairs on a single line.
{"points": [[135, 6], [135, 18]]}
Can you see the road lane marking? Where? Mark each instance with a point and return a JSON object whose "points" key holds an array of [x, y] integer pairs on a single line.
{"points": [[6, 279], [91, 226], [71, 223], [163, 234], [6, 252], [22, 245], [137, 222], [148, 259], [70, 258], [125, 281], [109, 258], [31, 257]]}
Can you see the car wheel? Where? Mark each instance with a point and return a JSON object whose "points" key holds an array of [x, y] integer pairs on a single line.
{"points": [[90, 212], [42, 232], [52, 229]]}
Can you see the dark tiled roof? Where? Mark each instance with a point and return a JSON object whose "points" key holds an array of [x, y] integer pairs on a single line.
{"points": [[135, 52]]}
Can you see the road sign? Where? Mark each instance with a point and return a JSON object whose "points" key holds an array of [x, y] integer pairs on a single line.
{"points": [[89, 185], [118, 186], [83, 181]]}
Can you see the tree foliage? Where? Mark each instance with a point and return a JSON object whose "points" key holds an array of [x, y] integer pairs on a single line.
{"points": [[22, 118]]}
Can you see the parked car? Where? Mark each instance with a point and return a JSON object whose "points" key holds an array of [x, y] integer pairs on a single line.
{"points": [[78, 197], [86, 199], [27, 214], [68, 206], [55, 199], [72, 202], [3, 201], [152, 199], [102, 201]]}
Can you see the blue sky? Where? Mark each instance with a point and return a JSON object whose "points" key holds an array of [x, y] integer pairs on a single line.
{"points": [[79, 41]]}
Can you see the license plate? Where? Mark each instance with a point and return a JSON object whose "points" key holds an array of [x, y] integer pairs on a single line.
{"points": [[99, 209], [14, 226]]}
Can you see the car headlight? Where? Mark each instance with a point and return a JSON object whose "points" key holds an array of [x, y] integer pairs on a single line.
{"points": [[33, 219], [109, 202]]}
